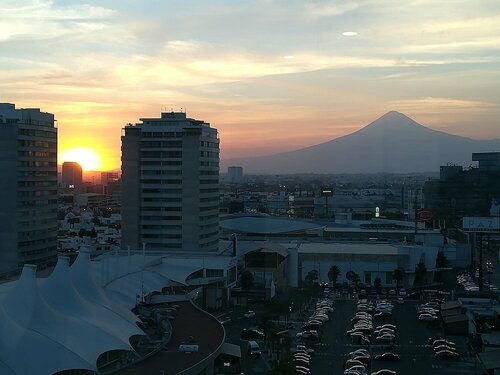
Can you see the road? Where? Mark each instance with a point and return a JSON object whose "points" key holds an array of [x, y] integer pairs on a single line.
{"points": [[250, 365]]}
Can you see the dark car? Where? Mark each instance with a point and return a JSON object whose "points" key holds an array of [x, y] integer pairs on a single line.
{"points": [[382, 314], [387, 357], [414, 295], [311, 327], [251, 334]]}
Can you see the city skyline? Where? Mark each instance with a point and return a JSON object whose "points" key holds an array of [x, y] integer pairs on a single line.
{"points": [[289, 74]]}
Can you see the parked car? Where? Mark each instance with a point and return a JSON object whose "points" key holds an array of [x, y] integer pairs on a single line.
{"points": [[358, 352], [427, 317], [384, 372], [304, 349], [438, 348], [382, 314], [387, 357], [308, 335], [447, 354], [251, 334], [443, 342], [249, 314], [358, 369], [385, 337], [353, 362]]}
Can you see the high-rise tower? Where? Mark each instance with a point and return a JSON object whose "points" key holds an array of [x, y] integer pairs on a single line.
{"points": [[170, 184], [28, 187], [72, 175]]}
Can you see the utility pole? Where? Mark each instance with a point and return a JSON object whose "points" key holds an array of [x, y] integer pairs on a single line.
{"points": [[480, 235], [415, 213]]}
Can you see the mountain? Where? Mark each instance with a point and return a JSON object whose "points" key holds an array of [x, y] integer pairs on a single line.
{"points": [[394, 143]]}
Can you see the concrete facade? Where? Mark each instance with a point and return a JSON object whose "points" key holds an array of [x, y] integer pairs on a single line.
{"points": [[28, 204], [170, 184]]}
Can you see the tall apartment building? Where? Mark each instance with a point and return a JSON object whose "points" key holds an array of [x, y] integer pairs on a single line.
{"points": [[72, 175], [170, 184], [28, 187]]}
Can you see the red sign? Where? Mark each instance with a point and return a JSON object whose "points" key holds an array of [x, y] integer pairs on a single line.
{"points": [[424, 215]]}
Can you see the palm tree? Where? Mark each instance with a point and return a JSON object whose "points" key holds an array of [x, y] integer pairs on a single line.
{"points": [[420, 271], [333, 274], [398, 275], [377, 283]]}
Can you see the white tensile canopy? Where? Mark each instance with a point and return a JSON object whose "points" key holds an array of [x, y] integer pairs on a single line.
{"points": [[63, 322]]}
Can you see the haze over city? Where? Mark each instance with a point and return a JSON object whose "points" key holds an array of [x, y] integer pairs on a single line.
{"points": [[272, 76]]}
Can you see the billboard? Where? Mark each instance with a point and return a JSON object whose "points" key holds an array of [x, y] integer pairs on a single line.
{"points": [[481, 224]]}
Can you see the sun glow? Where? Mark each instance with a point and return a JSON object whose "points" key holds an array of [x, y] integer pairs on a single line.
{"points": [[86, 157]]}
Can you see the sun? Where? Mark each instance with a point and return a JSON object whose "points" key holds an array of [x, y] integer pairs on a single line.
{"points": [[86, 157]]}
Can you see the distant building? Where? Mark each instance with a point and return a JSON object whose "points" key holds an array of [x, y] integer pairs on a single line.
{"points": [[170, 184], [235, 174], [110, 182], [28, 200], [460, 192], [72, 175], [488, 161]]}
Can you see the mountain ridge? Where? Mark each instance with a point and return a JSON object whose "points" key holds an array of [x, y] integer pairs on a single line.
{"points": [[393, 143]]}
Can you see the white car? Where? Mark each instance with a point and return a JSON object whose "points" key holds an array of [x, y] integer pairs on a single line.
{"points": [[358, 369], [249, 314], [359, 352], [427, 317], [392, 326]]}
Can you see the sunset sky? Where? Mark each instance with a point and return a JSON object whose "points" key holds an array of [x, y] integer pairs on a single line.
{"points": [[270, 75]]}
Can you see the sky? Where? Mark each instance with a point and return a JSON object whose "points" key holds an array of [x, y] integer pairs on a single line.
{"points": [[270, 75]]}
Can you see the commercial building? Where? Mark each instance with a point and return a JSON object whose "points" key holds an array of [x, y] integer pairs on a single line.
{"points": [[110, 182], [464, 192], [72, 175], [28, 203], [170, 184]]}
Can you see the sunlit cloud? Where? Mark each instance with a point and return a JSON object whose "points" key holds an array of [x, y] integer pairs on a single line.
{"points": [[349, 33], [442, 105], [329, 9]]}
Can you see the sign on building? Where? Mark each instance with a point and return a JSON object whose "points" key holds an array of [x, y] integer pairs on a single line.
{"points": [[481, 224]]}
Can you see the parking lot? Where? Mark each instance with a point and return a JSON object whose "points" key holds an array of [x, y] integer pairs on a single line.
{"points": [[416, 355]]}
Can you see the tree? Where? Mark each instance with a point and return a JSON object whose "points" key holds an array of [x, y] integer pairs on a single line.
{"points": [[440, 263], [398, 275], [420, 271], [377, 283], [355, 279], [440, 260], [311, 278], [333, 274], [246, 281]]}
